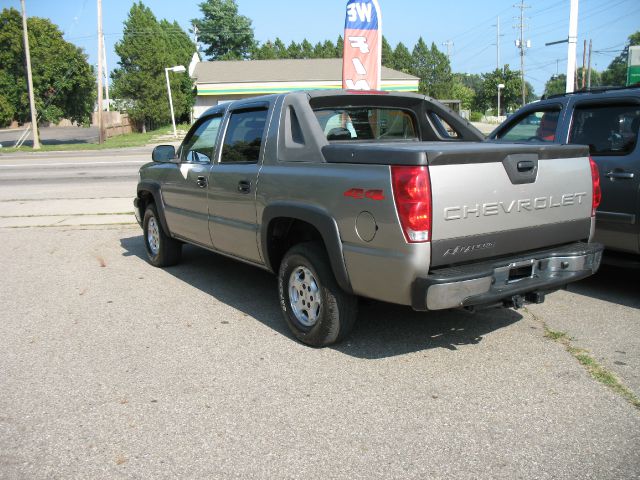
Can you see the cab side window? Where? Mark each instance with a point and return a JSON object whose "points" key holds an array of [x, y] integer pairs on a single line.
{"points": [[244, 136], [607, 129], [199, 146], [536, 125]]}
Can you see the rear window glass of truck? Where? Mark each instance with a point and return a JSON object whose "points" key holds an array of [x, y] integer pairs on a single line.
{"points": [[367, 123]]}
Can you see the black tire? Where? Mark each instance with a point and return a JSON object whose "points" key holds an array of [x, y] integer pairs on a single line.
{"points": [[321, 320], [162, 250]]}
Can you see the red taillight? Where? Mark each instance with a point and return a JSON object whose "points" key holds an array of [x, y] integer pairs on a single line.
{"points": [[597, 191], [412, 194]]}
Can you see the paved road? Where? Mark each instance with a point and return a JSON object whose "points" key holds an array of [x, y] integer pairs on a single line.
{"points": [[111, 368], [69, 188], [51, 136]]}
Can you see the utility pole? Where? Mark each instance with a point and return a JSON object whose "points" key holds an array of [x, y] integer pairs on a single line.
{"points": [[32, 102], [584, 64], [522, 45], [497, 25], [448, 44], [589, 67], [106, 72], [572, 40], [100, 42], [195, 35]]}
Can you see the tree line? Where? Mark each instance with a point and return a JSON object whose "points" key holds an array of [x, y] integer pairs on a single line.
{"points": [[64, 81]]}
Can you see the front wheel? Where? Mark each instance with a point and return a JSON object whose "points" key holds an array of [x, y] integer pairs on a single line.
{"points": [[162, 250], [316, 309]]}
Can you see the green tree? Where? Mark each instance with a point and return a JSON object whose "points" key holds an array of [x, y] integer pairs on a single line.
{"points": [[226, 34], [440, 78], [329, 49], [387, 53], [63, 80], [471, 80], [318, 50], [280, 48], [460, 91], [266, 51], [510, 95], [616, 72], [433, 68], [306, 49], [555, 85], [339, 47], [146, 49], [402, 59], [294, 50]]}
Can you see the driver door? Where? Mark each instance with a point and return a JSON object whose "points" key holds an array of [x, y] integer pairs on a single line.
{"points": [[185, 189]]}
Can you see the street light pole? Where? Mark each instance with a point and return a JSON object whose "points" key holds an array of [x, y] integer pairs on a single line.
{"points": [[32, 102], [100, 40], [500, 86], [177, 68]]}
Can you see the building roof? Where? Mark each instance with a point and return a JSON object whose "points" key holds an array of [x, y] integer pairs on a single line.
{"points": [[261, 71]]}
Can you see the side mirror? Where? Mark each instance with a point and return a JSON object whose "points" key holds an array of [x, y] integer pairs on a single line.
{"points": [[164, 153]]}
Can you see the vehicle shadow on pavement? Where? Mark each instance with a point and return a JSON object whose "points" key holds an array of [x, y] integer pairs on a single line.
{"points": [[611, 284], [382, 330]]}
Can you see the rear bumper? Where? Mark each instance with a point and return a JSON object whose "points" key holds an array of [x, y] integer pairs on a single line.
{"points": [[500, 280]]}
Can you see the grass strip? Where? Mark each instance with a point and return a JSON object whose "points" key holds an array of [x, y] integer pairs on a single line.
{"points": [[591, 365], [134, 139]]}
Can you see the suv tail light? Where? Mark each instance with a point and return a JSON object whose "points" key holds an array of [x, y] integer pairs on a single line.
{"points": [[597, 191], [412, 194]]}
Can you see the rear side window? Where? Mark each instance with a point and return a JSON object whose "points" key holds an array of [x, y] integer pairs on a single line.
{"points": [[536, 125], [444, 128], [367, 123], [244, 136], [607, 129]]}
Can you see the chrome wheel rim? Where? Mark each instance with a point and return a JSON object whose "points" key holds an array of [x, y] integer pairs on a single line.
{"points": [[304, 296], [153, 236]]}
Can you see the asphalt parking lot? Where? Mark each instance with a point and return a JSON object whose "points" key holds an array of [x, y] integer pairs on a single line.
{"points": [[114, 369]]}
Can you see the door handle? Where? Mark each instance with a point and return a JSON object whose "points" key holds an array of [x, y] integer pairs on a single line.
{"points": [[201, 181], [620, 175], [244, 186]]}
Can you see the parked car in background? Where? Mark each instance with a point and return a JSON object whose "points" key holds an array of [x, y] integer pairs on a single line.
{"points": [[607, 120]]}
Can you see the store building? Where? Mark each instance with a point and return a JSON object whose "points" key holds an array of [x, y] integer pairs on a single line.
{"points": [[223, 81]]}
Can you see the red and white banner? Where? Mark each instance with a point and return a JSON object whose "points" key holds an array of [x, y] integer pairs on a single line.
{"points": [[362, 54]]}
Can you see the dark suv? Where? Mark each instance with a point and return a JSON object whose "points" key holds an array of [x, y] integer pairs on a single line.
{"points": [[607, 120]]}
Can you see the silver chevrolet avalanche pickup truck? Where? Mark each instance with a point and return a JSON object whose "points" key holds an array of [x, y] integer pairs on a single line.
{"points": [[387, 196]]}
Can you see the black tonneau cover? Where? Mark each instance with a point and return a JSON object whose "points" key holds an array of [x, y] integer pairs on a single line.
{"points": [[441, 153]]}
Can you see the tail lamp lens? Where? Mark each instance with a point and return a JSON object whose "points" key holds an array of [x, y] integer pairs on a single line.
{"points": [[412, 195], [597, 191]]}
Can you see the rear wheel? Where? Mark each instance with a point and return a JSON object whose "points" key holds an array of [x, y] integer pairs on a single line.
{"points": [[162, 250], [316, 309]]}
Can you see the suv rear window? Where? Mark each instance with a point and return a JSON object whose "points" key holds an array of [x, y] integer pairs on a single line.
{"points": [[367, 123], [607, 129]]}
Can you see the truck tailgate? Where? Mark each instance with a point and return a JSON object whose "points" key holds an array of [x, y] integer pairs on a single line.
{"points": [[494, 201]]}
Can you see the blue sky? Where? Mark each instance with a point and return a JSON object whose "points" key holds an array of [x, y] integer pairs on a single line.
{"points": [[470, 25]]}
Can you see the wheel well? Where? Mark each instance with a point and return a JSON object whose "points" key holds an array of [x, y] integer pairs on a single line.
{"points": [[145, 198], [284, 233]]}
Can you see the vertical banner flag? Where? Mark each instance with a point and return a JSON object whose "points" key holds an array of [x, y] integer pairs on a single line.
{"points": [[362, 55]]}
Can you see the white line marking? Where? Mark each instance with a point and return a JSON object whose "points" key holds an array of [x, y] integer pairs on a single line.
{"points": [[73, 164]]}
